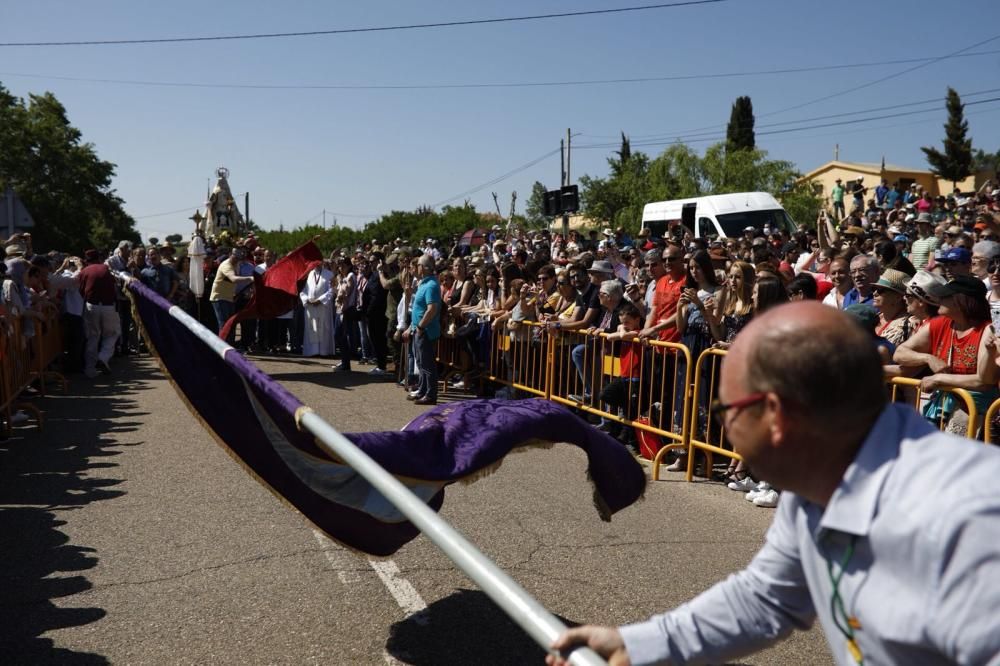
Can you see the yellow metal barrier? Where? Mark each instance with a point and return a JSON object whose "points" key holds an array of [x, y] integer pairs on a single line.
{"points": [[587, 374], [706, 434], [47, 348], [449, 355], [15, 371], [582, 371], [991, 413], [496, 368], [906, 389]]}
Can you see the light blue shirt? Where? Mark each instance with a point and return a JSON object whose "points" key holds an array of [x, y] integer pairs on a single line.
{"points": [[428, 293], [923, 508]]}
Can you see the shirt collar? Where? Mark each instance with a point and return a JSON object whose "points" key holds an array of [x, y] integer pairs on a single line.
{"points": [[854, 503]]}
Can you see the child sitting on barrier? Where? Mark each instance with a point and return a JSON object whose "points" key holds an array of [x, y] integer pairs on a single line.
{"points": [[622, 392]]}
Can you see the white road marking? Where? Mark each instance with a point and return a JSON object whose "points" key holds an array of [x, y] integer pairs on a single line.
{"points": [[338, 559], [402, 590]]}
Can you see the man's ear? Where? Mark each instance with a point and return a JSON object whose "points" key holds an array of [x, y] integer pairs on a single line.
{"points": [[777, 416]]}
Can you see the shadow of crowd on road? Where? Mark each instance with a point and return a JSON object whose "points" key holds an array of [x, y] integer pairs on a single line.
{"points": [[45, 477]]}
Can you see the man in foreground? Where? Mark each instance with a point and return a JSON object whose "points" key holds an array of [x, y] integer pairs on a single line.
{"points": [[886, 531]]}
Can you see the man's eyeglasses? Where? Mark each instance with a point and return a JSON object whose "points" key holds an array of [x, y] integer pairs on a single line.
{"points": [[562, 282], [719, 409], [993, 267]]}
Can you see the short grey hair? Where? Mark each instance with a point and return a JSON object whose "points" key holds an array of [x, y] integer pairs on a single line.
{"points": [[612, 288], [987, 248], [864, 261]]}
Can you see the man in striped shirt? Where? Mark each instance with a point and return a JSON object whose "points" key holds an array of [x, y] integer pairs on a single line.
{"points": [[923, 248]]}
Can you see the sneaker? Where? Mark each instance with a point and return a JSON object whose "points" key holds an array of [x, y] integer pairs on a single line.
{"points": [[768, 499], [377, 372], [103, 367], [759, 490], [340, 367], [18, 417], [578, 397], [743, 485], [459, 385]]}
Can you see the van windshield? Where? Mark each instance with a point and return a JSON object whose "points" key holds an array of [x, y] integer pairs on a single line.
{"points": [[777, 219]]}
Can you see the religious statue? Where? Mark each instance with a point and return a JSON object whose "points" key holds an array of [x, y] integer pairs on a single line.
{"points": [[222, 213]]}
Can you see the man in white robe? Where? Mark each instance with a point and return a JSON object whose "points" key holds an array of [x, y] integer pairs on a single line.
{"points": [[317, 299]]}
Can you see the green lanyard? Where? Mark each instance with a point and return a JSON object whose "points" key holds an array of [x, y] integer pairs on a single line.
{"points": [[845, 623]]}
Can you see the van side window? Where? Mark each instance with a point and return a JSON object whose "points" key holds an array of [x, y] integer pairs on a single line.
{"points": [[705, 227]]}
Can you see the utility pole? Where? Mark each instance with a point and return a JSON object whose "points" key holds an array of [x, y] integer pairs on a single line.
{"points": [[246, 206], [562, 162], [566, 181], [324, 218]]}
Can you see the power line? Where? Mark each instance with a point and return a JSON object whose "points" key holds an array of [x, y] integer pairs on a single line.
{"points": [[511, 84], [388, 28], [694, 135], [498, 179], [882, 79], [358, 215], [787, 130], [169, 212], [947, 56]]}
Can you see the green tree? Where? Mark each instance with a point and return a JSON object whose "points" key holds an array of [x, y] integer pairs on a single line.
{"points": [[60, 178], [534, 209], [983, 161], [624, 153], [680, 173], [954, 163], [174, 238], [739, 132]]}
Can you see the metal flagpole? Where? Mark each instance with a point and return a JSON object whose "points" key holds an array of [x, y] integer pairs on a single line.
{"points": [[505, 592]]}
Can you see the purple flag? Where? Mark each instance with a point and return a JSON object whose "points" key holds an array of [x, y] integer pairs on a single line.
{"points": [[254, 418]]}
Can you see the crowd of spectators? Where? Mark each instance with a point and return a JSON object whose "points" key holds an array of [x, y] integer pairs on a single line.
{"points": [[922, 274]]}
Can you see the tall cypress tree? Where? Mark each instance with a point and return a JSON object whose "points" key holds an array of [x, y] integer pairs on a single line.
{"points": [[955, 163], [739, 132]]}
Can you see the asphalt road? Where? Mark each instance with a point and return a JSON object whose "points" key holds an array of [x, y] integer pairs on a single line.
{"points": [[130, 537]]}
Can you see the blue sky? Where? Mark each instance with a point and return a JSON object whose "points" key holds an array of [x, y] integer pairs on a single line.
{"points": [[361, 153]]}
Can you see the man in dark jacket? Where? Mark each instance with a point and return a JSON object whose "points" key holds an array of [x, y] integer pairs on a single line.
{"points": [[373, 299]]}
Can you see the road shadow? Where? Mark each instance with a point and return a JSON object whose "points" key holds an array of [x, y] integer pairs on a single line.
{"points": [[45, 476], [345, 381], [463, 628]]}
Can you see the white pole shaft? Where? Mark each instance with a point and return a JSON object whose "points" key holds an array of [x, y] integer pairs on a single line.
{"points": [[513, 599]]}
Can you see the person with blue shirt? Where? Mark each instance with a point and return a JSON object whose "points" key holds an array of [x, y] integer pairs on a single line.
{"points": [[880, 193], [886, 531], [425, 331], [158, 276], [892, 196], [864, 272]]}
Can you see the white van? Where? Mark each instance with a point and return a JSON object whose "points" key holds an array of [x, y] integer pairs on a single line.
{"points": [[718, 215]]}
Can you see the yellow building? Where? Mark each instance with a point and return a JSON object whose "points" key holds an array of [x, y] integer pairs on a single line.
{"points": [[825, 176]]}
